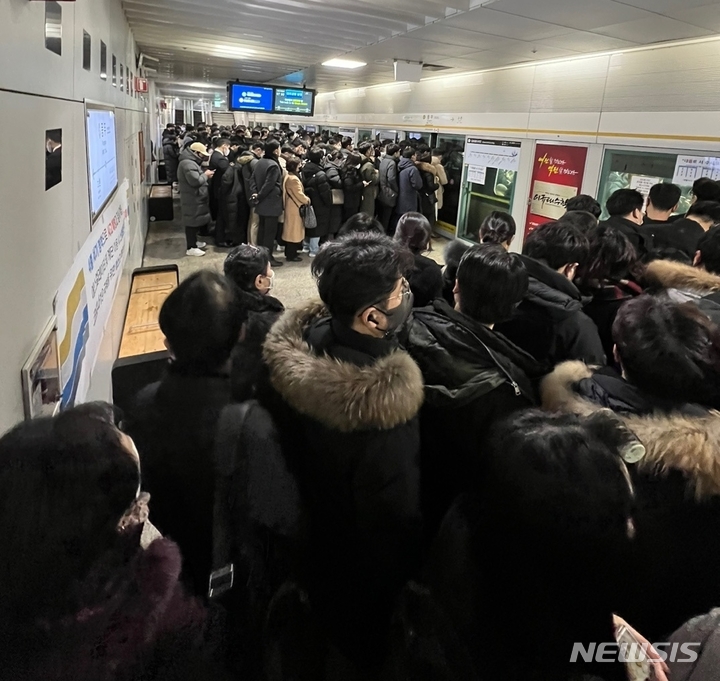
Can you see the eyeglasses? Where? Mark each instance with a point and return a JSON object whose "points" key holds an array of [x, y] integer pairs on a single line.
{"points": [[404, 292]]}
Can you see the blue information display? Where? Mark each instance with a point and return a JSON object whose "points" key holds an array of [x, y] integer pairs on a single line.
{"points": [[294, 101], [245, 97]]}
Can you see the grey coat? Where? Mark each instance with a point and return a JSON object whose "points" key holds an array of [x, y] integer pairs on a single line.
{"points": [[371, 175], [410, 182], [193, 185], [266, 182]]}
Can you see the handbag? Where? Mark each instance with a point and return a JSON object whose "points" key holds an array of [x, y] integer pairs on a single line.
{"points": [[307, 213], [338, 197]]}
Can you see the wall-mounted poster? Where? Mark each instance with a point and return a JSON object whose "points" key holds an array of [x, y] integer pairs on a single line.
{"points": [[557, 176], [41, 375]]}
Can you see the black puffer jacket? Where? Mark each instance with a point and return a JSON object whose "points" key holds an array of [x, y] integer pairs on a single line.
{"points": [[550, 323], [318, 189], [193, 185], [426, 280], [640, 236], [232, 198], [473, 378]]}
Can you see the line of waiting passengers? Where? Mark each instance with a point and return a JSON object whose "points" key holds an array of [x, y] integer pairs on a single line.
{"points": [[464, 490]]}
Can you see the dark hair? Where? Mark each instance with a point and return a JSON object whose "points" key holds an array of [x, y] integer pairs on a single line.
{"points": [[624, 202], [55, 135], [357, 271], [346, 142], [409, 152], [580, 219], [557, 244], [669, 253], [293, 164], [491, 282], [424, 157], [611, 255], [270, 147], [365, 147], [709, 247], [497, 228], [65, 483], [257, 144], [243, 265], [361, 222], [585, 203], [220, 141], [353, 159], [706, 189], [392, 149], [315, 155], [708, 210], [414, 231], [453, 254], [665, 196], [202, 319], [669, 350]]}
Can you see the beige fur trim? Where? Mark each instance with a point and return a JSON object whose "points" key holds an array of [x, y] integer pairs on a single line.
{"points": [[690, 445], [427, 167], [683, 277], [340, 395]]}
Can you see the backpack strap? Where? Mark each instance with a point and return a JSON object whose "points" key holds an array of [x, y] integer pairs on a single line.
{"points": [[227, 437]]}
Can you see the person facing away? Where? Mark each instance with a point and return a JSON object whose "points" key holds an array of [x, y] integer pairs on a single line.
{"points": [[663, 200], [266, 195], [171, 152], [452, 255], [625, 207], [425, 279], [319, 190], [91, 594], [348, 397], [410, 184], [428, 193], [193, 185], [353, 185], [584, 202], [173, 421], [685, 233], [544, 541], [549, 323], [220, 164], [474, 377], [388, 185], [498, 228], [294, 197], [370, 176], [699, 283]]}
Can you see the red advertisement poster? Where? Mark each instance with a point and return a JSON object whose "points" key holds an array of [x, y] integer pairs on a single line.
{"points": [[557, 176]]}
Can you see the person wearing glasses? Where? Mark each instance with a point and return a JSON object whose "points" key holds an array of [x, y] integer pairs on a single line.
{"points": [[348, 397]]}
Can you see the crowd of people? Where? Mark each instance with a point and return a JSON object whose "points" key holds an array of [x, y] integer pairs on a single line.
{"points": [[438, 474], [254, 186]]}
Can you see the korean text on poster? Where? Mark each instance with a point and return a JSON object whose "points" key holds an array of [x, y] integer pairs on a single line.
{"points": [[691, 168], [501, 154]]}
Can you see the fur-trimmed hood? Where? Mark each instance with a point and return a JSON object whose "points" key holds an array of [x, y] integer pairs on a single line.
{"points": [[687, 444], [682, 277], [427, 168], [340, 395]]}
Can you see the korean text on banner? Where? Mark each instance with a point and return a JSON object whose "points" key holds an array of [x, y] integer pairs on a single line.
{"points": [[85, 298], [557, 176], [691, 168], [501, 154]]}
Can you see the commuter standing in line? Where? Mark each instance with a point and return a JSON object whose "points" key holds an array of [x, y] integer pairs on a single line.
{"points": [[293, 198], [410, 184], [352, 186], [625, 207], [193, 184], [220, 164], [442, 179], [249, 160], [389, 188], [663, 201], [370, 178], [428, 193], [333, 167], [266, 194], [318, 189], [171, 152]]}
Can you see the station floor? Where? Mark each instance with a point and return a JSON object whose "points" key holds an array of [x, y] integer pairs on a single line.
{"points": [[294, 284]]}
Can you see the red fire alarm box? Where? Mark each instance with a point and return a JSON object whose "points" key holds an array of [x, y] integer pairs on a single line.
{"points": [[141, 85]]}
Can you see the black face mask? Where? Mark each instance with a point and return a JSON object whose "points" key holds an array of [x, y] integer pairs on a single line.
{"points": [[398, 317]]}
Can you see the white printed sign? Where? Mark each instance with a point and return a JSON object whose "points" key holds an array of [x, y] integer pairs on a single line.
{"points": [[85, 297], [476, 174], [549, 200], [500, 154], [691, 168], [644, 183]]}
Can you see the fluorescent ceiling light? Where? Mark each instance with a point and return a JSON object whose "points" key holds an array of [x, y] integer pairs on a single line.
{"points": [[344, 63]]}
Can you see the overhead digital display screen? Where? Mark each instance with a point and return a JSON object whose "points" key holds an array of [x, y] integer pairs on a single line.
{"points": [[294, 101], [246, 97]]}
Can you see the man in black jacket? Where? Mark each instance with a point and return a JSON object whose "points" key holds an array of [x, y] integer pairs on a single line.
{"points": [[685, 233], [218, 209], [249, 160], [266, 196], [626, 215], [173, 422], [347, 399], [474, 377], [550, 323]]}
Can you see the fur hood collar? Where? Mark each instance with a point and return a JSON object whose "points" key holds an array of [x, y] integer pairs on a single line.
{"points": [[427, 167], [340, 395], [683, 277], [687, 444]]}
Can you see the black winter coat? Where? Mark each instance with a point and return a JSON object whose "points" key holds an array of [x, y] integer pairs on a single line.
{"points": [[171, 152], [248, 161], [348, 408], [173, 424], [677, 491], [232, 199], [682, 234], [318, 189], [220, 164], [332, 170], [410, 185], [473, 378], [639, 236], [353, 188], [425, 280], [193, 185], [549, 323], [266, 182]]}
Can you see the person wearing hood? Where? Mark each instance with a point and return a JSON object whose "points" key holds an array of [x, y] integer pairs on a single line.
{"points": [[410, 184], [333, 167], [428, 193], [699, 284], [318, 189], [473, 376], [348, 397], [550, 323], [171, 154], [670, 359], [193, 184]]}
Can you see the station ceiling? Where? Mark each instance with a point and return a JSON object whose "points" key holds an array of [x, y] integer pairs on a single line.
{"points": [[202, 45]]}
